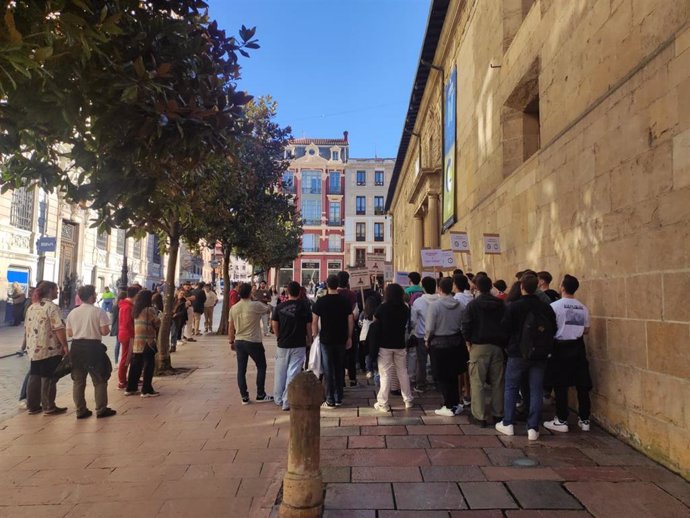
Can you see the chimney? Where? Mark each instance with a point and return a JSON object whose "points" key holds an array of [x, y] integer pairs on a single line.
{"points": [[345, 134]]}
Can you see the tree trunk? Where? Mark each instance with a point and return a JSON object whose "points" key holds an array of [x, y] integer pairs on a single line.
{"points": [[225, 311], [163, 363]]}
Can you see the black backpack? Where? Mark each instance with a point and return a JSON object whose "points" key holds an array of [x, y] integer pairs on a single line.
{"points": [[536, 340]]}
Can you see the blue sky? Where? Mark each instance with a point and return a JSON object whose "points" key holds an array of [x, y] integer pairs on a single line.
{"points": [[333, 65]]}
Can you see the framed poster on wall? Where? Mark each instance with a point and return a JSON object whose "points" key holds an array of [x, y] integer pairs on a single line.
{"points": [[449, 137]]}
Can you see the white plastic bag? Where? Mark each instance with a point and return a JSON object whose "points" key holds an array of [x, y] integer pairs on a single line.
{"points": [[315, 357]]}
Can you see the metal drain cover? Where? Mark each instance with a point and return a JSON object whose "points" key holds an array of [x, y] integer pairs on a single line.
{"points": [[524, 462]]}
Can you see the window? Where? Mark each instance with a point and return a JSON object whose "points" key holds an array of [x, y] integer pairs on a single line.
{"points": [[311, 212], [310, 243], [311, 182], [379, 250], [22, 208], [361, 177], [335, 155], [334, 183], [289, 182], [156, 249], [378, 205], [360, 256], [334, 218], [334, 243], [361, 205], [361, 232], [102, 241], [120, 241], [334, 267], [378, 231], [136, 249], [310, 275], [378, 178]]}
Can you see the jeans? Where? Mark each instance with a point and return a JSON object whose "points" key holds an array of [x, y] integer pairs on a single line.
{"points": [[289, 364], [351, 362], [257, 353], [583, 403], [393, 360], [266, 323], [422, 354], [22, 391], [145, 361], [486, 366], [411, 359], [446, 365], [117, 349], [333, 363], [174, 333], [515, 369]]}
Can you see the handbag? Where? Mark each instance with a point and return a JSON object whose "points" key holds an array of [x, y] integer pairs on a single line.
{"points": [[314, 364], [64, 367]]}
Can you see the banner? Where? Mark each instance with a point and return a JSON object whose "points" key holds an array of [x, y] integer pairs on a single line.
{"points": [[448, 260], [375, 263], [492, 244], [449, 130], [432, 258], [401, 278], [459, 241], [359, 278]]}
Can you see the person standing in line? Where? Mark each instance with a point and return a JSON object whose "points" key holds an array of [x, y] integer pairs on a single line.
{"points": [[234, 294], [144, 348], [244, 336], [463, 293], [352, 353], [263, 295], [198, 299], [46, 342], [418, 321], [414, 290], [292, 326], [209, 306], [86, 325], [179, 318], [448, 353], [531, 325], [125, 334], [544, 285], [18, 303], [114, 323], [332, 320], [393, 316], [568, 366], [485, 338]]}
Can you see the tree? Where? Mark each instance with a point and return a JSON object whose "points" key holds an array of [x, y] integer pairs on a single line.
{"points": [[128, 116]]}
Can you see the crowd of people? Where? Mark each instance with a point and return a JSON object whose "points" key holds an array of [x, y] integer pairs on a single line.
{"points": [[496, 351]]}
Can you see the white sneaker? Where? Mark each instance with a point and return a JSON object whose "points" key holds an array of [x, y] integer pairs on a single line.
{"points": [[584, 425], [22, 404], [382, 408], [556, 425], [532, 435], [505, 430], [408, 404], [445, 412]]}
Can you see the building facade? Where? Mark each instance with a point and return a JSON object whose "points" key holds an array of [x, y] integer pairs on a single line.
{"points": [[572, 141], [367, 227], [316, 177]]}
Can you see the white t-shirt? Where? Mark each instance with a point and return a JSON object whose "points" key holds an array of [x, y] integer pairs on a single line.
{"points": [[572, 318], [211, 299], [85, 322]]}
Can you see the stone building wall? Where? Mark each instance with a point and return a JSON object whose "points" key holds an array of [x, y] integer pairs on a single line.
{"points": [[601, 188]]}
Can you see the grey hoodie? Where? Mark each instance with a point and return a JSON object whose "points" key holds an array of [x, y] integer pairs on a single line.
{"points": [[443, 317]]}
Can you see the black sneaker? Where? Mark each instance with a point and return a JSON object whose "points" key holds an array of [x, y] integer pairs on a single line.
{"points": [[245, 400], [106, 412], [55, 411], [264, 398], [338, 403], [478, 422], [85, 415]]}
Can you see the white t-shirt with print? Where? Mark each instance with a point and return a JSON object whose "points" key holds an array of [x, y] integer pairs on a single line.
{"points": [[572, 318]]}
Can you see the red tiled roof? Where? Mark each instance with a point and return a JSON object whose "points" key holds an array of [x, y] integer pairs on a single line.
{"points": [[319, 141]]}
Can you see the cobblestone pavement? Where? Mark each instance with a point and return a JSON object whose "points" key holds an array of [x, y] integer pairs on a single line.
{"points": [[12, 370]]}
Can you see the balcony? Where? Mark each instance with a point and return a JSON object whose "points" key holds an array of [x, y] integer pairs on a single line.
{"points": [[337, 249], [378, 183], [335, 189], [378, 211], [311, 222], [360, 237], [361, 212], [378, 238], [311, 190], [310, 249], [335, 222]]}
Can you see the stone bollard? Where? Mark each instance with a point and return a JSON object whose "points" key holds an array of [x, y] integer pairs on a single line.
{"points": [[302, 484]]}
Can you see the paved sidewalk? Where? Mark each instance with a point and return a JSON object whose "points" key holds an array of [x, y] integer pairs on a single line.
{"points": [[194, 451]]}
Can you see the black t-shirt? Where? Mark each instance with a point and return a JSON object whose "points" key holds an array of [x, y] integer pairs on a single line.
{"points": [[198, 304], [393, 320], [333, 311], [293, 317], [552, 294]]}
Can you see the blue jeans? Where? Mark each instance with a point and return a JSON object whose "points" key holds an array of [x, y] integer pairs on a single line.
{"points": [[289, 364], [117, 349], [174, 331], [257, 353], [515, 370], [22, 392], [333, 363]]}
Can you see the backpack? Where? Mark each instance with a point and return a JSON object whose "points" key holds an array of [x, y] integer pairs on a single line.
{"points": [[415, 296], [536, 340]]}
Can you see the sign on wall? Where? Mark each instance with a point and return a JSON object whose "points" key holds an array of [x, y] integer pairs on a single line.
{"points": [[432, 258], [447, 259], [459, 241], [449, 136], [492, 244]]}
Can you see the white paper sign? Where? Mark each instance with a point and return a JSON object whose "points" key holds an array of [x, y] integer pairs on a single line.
{"points": [[375, 263], [492, 244], [432, 257], [433, 275], [448, 258], [388, 272], [359, 278], [459, 241], [401, 278]]}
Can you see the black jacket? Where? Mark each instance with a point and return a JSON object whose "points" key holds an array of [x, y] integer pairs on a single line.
{"points": [[514, 319], [481, 322]]}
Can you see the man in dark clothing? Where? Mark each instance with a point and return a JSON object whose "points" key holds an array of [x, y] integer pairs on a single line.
{"points": [[519, 322], [481, 327], [334, 314], [292, 325], [198, 300], [544, 285], [351, 354]]}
